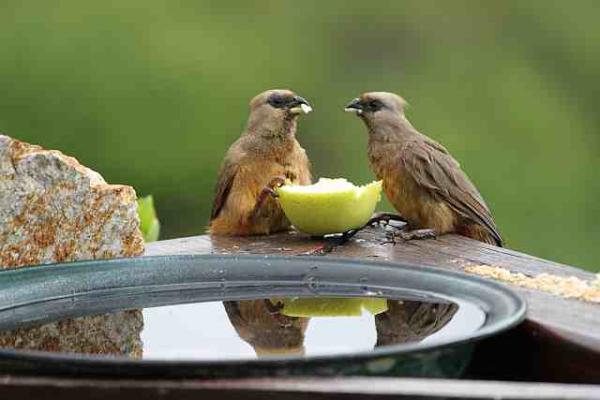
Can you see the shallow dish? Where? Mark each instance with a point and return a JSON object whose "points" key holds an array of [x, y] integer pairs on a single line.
{"points": [[35, 295]]}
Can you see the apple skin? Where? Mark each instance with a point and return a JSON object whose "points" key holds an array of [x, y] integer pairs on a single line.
{"points": [[329, 206]]}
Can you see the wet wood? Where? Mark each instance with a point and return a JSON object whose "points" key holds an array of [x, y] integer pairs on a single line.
{"points": [[559, 341], [284, 389], [558, 332]]}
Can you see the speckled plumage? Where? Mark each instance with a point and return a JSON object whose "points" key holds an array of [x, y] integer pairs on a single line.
{"points": [[420, 177], [267, 148]]}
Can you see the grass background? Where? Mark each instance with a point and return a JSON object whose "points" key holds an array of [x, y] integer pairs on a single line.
{"points": [[151, 93]]}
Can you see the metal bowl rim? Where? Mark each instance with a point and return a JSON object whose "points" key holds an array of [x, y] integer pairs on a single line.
{"points": [[507, 322]]}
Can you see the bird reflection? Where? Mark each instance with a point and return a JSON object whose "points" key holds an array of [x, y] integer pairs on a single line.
{"points": [[262, 325], [411, 321]]}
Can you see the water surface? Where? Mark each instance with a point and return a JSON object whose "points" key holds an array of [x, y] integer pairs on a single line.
{"points": [[249, 329]]}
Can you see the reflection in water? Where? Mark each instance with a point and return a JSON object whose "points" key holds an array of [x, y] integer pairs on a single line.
{"points": [[116, 334], [411, 321], [262, 325], [248, 329]]}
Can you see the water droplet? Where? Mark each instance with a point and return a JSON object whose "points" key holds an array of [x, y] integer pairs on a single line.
{"points": [[364, 283], [312, 282]]}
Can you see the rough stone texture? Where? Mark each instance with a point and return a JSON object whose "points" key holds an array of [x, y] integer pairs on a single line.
{"points": [[53, 209], [113, 334]]}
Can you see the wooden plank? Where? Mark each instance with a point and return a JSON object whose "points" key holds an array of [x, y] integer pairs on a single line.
{"points": [[451, 251], [297, 388], [551, 320], [414, 388]]}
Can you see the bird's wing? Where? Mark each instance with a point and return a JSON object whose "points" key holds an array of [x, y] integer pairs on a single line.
{"points": [[224, 184], [435, 170]]}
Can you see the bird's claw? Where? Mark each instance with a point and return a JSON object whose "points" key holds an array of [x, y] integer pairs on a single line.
{"points": [[332, 242], [383, 217], [273, 308], [276, 182], [268, 190], [390, 238], [418, 234]]}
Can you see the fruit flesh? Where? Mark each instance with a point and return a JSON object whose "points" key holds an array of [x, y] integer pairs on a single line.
{"points": [[330, 205]]}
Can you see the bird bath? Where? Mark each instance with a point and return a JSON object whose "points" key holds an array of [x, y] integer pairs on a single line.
{"points": [[231, 316]]}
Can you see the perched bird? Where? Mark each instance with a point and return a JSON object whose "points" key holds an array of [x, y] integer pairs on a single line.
{"points": [[266, 155], [420, 178]]}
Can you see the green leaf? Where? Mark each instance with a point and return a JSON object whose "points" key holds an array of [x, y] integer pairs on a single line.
{"points": [[149, 224]]}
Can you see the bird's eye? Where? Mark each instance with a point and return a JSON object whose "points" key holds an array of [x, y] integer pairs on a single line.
{"points": [[375, 105], [276, 101]]}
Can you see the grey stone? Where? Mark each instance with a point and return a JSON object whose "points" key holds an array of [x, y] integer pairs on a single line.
{"points": [[53, 209]]}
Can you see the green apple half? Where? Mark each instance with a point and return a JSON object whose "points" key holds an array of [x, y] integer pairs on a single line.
{"points": [[330, 205], [332, 307]]}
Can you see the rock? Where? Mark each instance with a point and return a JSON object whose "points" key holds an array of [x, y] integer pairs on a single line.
{"points": [[111, 334], [53, 209]]}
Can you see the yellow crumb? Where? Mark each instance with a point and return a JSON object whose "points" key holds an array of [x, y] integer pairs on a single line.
{"points": [[565, 286]]}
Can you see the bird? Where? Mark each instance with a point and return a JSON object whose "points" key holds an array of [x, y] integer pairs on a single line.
{"points": [[261, 324], [421, 179], [407, 321], [266, 155]]}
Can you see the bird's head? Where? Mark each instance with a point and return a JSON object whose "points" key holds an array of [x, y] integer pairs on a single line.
{"points": [[275, 111], [374, 107]]}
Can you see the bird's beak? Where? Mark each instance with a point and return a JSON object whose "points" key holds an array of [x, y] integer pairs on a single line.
{"points": [[354, 107], [299, 105]]}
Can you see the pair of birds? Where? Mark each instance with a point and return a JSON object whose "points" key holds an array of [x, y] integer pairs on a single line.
{"points": [[420, 178]]}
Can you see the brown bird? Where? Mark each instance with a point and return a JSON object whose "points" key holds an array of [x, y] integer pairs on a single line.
{"points": [[420, 178], [266, 155], [411, 321], [261, 324]]}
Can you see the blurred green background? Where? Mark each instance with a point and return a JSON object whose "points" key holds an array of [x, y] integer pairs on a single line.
{"points": [[152, 93]]}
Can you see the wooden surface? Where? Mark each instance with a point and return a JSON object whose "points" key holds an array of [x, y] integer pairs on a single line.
{"points": [[284, 389], [556, 329], [559, 341]]}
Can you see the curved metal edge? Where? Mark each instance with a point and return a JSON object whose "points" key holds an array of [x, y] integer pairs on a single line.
{"points": [[20, 276]]}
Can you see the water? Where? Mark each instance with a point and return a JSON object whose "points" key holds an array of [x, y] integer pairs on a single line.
{"points": [[250, 329]]}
